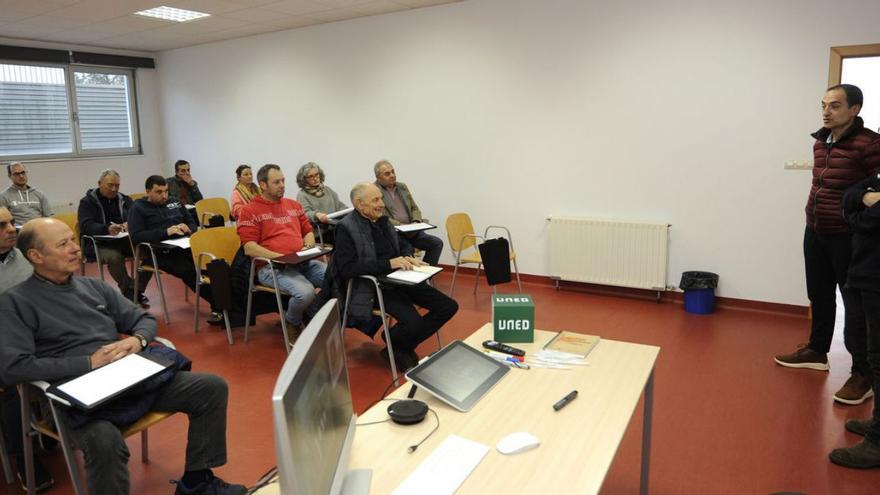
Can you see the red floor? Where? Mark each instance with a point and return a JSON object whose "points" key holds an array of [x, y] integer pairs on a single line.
{"points": [[727, 420]]}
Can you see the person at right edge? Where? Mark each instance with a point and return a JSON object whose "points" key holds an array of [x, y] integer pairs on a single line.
{"points": [[845, 152], [861, 207]]}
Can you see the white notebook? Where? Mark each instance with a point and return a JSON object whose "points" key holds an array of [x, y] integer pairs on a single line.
{"points": [[415, 276], [445, 469]]}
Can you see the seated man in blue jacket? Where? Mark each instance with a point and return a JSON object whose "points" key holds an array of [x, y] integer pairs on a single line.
{"points": [[103, 211], [367, 244], [154, 219], [58, 326]]}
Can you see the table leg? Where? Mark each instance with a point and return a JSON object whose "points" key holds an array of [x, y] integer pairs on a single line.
{"points": [[646, 433]]}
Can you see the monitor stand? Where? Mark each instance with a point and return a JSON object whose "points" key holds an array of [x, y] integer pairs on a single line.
{"points": [[357, 482]]}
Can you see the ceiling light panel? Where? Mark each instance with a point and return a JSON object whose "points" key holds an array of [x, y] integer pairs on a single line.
{"points": [[172, 14]]}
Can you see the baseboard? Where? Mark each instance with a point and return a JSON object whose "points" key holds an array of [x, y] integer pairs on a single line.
{"points": [[651, 295]]}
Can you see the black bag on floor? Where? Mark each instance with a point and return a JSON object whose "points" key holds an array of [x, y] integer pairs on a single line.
{"points": [[496, 260]]}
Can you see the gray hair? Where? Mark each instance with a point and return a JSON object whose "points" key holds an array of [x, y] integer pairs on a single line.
{"points": [[106, 172], [359, 190], [301, 174], [379, 165]]}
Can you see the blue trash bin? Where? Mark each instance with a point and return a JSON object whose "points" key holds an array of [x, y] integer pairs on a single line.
{"points": [[699, 291]]}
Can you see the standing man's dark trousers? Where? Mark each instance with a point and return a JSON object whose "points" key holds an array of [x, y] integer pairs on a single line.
{"points": [[412, 328], [826, 260], [202, 397], [432, 246], [871, 303]]}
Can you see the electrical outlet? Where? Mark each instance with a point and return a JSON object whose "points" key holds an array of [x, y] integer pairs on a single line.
{"points": [[798, 165]]}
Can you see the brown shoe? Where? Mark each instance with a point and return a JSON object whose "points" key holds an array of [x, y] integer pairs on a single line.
{"points": [[863, 455], [859, 426], [856, 390], [804, 357]]}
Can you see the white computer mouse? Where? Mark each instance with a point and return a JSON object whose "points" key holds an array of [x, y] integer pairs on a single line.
{"points": [[517, 442]]}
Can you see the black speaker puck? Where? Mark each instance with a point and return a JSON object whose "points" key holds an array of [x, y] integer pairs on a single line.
{"points": [[407, 412]]}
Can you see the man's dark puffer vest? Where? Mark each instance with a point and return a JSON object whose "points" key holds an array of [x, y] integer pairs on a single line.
{"points": [[836, 167]]}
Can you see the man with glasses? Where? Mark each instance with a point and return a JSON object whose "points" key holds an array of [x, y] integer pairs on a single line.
{"points": [[24, 202]]}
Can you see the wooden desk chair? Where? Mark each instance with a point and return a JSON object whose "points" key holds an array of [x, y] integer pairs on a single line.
{"points": [[55, 427], [461, 235], [208, 207], [386, 319], [139, 267], [254, 286], [208, 245], [136, 196]]}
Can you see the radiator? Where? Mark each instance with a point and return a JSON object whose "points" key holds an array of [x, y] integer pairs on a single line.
{"points": [[609, 252]]}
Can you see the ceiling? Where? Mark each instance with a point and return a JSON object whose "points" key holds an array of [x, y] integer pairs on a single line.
{"points": [[111, 23]]}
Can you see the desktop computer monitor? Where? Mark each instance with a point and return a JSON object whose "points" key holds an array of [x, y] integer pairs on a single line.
{"points": [[313, 414]]}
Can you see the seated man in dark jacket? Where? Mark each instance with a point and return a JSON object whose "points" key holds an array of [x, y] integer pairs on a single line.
{"points": [[103, 211], [58, 326], [154, 218], [366, 244]]}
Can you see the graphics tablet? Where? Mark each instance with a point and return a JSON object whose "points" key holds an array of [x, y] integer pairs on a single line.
{"points": [[458, 374]]}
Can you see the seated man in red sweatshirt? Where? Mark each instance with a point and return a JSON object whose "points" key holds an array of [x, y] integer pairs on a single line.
{"points": [[271, 226]]}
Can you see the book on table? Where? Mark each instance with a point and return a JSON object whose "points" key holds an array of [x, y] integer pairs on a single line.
{"points": [[578, 344]]}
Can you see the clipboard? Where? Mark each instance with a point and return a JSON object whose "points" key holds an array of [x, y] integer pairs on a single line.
{"points": [[89, 391], [414, 227], [296, 258]]}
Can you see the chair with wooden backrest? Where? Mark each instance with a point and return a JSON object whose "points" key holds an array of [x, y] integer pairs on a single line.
{"points": [[208, 207], [207, 245], [386, 319], [461, 235], [255, 286], [54, 427], [136, 196]]}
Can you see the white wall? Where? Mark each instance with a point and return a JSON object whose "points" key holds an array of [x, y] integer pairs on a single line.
{"points": [[65, 181], [678, 111]]}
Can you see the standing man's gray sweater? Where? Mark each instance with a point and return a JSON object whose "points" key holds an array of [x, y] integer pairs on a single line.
{"points": [[51, 341]]}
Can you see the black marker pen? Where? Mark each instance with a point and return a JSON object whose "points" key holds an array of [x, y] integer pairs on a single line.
{"points": [[565, 400]]}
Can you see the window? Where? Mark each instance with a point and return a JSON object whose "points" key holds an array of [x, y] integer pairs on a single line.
{"points": [[859, 65], [59, 111]]}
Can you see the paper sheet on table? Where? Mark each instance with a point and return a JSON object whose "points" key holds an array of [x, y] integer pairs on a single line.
{"points": [[190, 207], [416, 276], [442, 472], [413, 227], [120, 235], [181, 242], [309, 251], [340, 213], [110, 379]]}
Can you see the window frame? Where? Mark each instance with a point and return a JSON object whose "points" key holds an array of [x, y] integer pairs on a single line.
{"points": [[838, 53], [73, 113]]}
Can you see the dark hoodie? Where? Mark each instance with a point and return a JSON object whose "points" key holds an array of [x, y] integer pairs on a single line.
{"points": [[148, 222], [96, 212]]}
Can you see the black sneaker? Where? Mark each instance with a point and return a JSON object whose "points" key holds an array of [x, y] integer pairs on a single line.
{"points": [[214, 486], [863, 455], [859, 426], [42, 479]]}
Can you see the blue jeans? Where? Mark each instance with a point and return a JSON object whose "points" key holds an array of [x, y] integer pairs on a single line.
{"points": [[299, 281]]}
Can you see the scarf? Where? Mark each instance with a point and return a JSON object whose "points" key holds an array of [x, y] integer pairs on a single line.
{"points": [[317, 191], [248, 193]]}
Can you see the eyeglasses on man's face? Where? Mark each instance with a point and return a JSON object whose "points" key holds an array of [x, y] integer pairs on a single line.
{"points": [[19, 174]]}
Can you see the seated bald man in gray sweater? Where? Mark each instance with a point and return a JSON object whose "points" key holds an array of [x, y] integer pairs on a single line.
{"points": [[58, 326]]}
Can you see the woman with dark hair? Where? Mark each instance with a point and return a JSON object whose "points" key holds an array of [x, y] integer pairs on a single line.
{"points": [[245, 189], [317, 199]]}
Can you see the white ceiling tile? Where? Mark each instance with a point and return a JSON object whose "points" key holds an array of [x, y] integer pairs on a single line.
{"points": [[336, 15], [426, 3], [10, 15], [255, 14], [252, 3], [292, 22], [336, 4], [379, 7], [296, 7], [57, 23], [202, 26], [212, 7], [35, 6], [133, 23]]}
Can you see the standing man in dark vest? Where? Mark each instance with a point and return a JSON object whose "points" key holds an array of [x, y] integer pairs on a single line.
{"points": [[845, 153]]}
